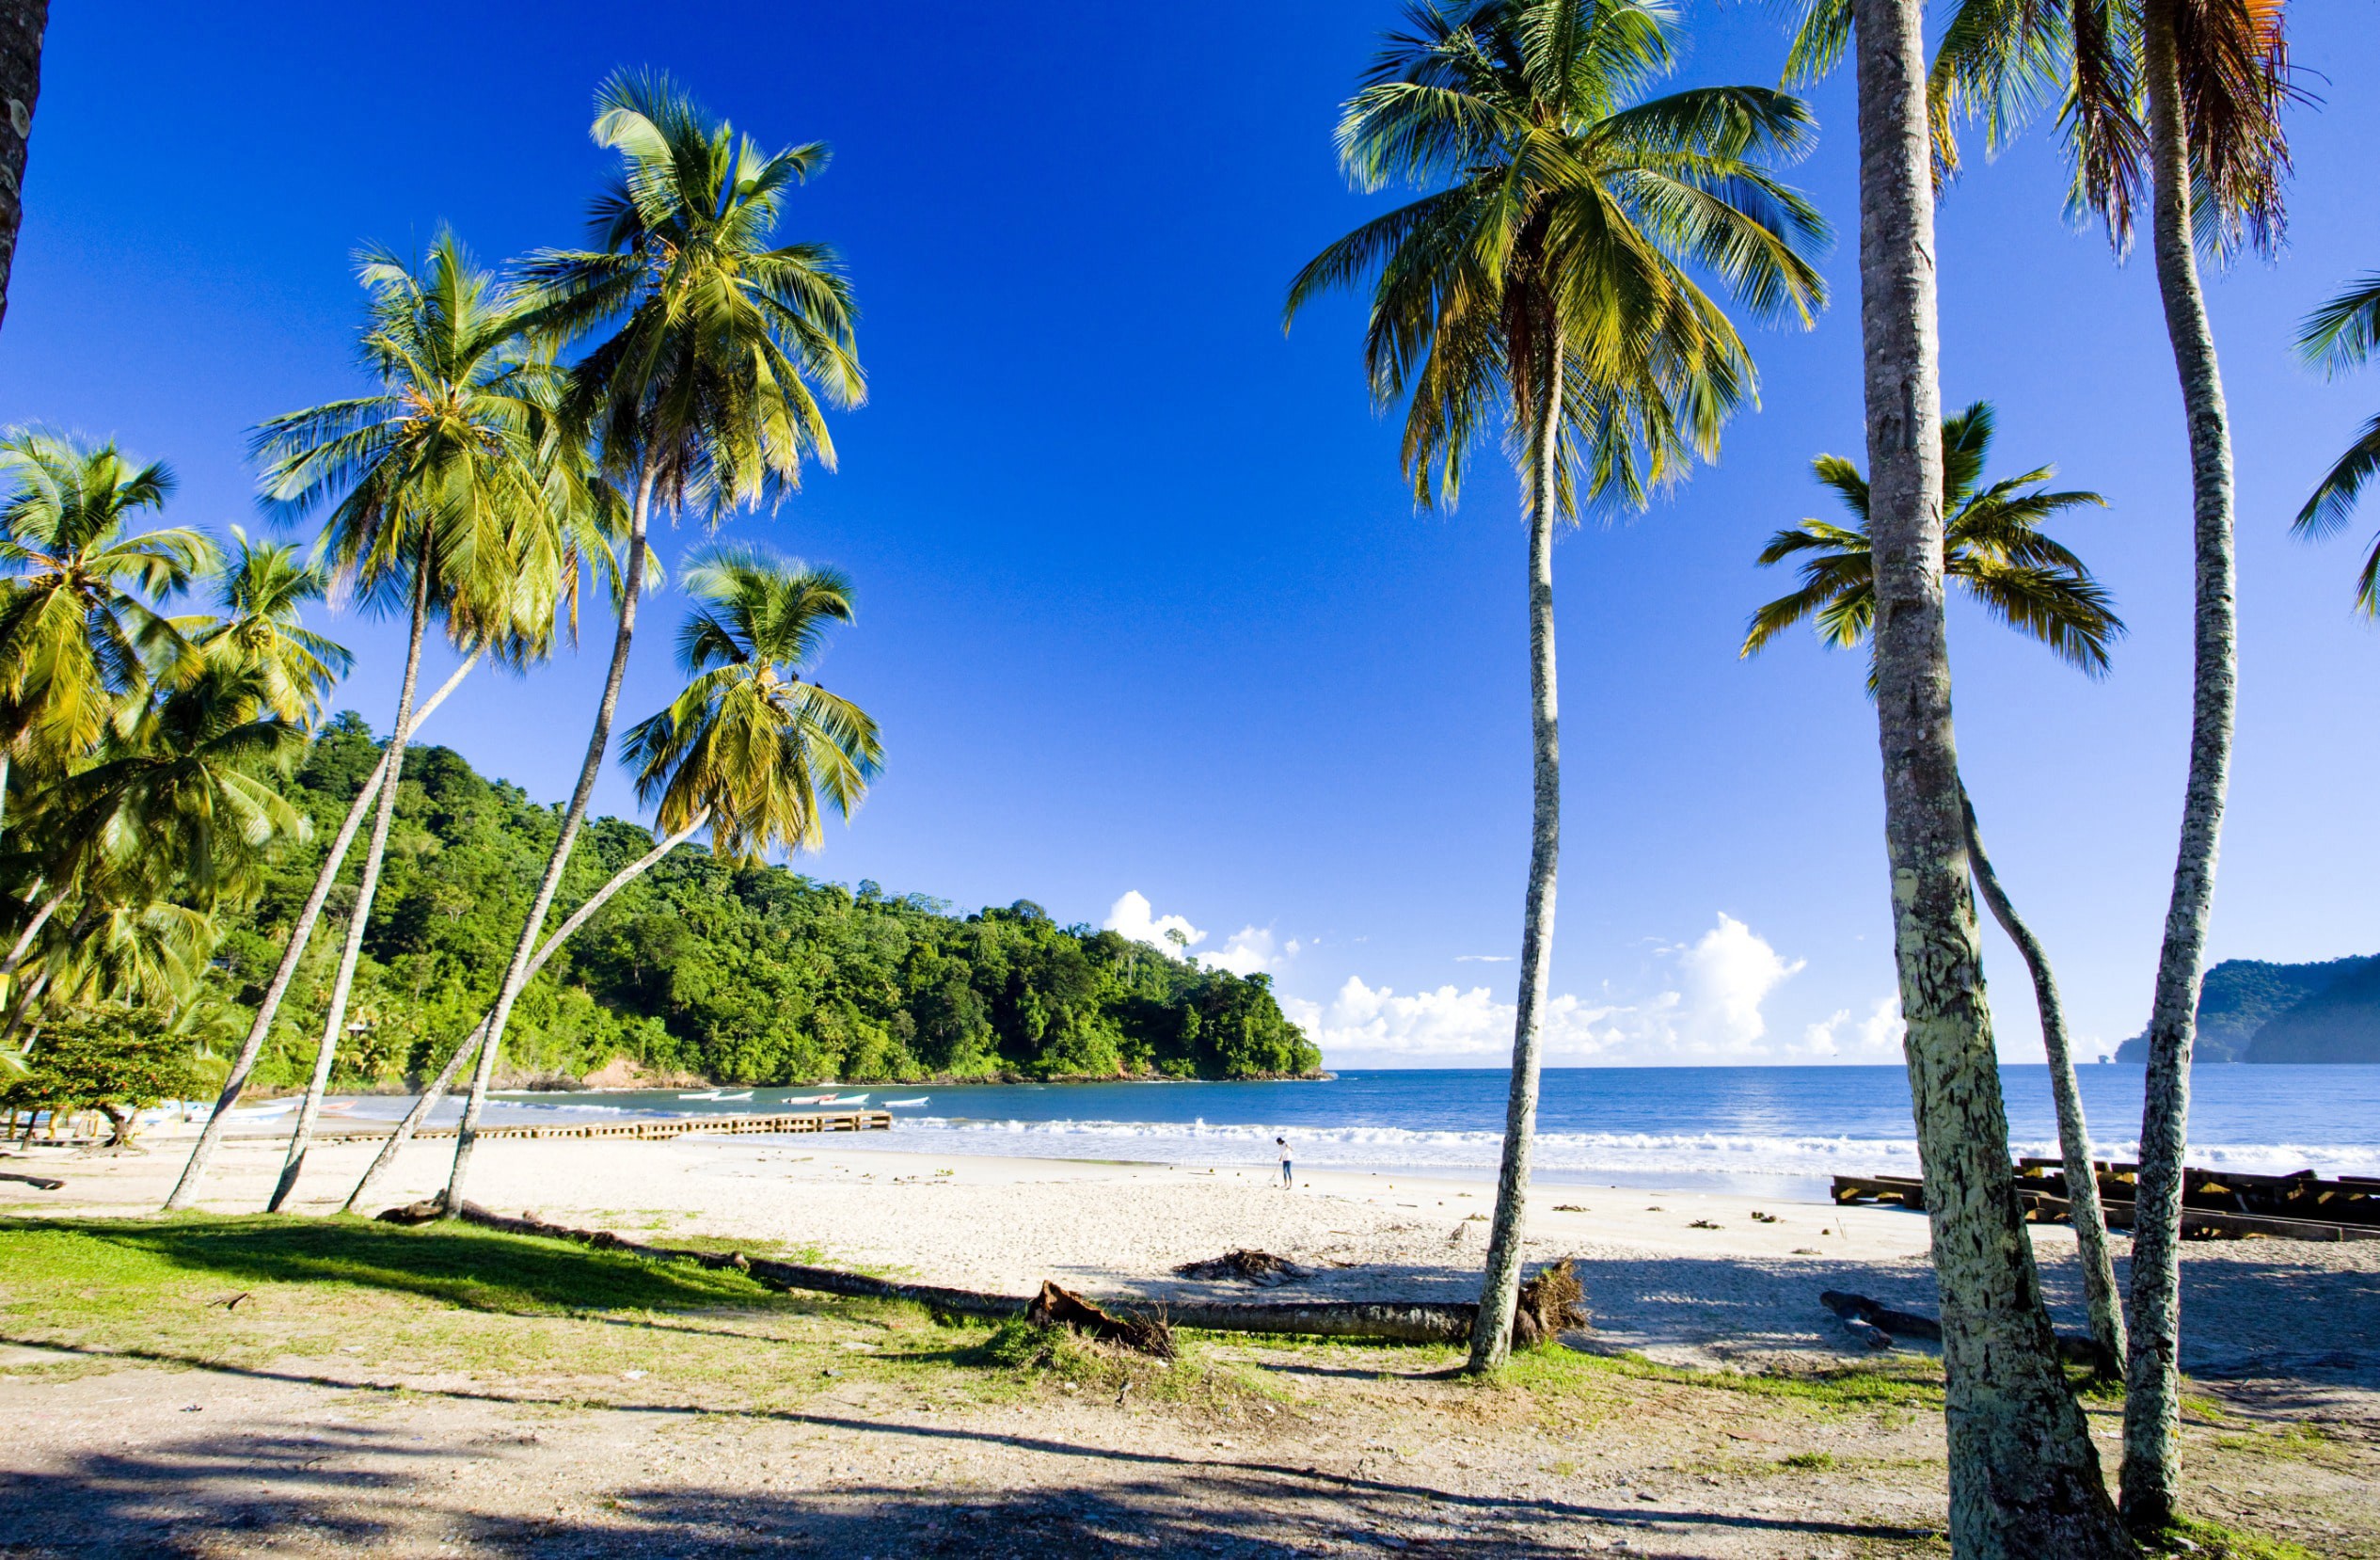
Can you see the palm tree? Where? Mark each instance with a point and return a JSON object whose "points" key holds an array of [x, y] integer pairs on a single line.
{"points": [[2024, 1477], [1545, 282], [2338, 336], [2210, 155], [438, 499], [748, 749], [76, 639], [1995, 549], [20, 28], [700, 395], [257, 597]]}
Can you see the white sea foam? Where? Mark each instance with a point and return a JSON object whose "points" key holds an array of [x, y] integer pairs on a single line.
{"points": [[1560, 1153]]}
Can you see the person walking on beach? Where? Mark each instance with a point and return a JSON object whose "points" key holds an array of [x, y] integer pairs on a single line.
{"points": [[1287, 1181]]}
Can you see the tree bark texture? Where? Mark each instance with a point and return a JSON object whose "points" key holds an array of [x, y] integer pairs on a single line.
{"points": [[598, 741], [469, 1048], [2152, 1396], [22, 24], [2073, 1131], [2024, 1478], [301, 932], [33, 930], [1499, 1289], [385, 810]]}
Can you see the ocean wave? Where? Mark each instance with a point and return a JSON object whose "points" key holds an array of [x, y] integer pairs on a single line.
{"points": [[1634, 1152]]}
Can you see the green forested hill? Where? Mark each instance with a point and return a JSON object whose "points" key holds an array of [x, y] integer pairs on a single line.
{"points": [[754, 976], [2243, 1002]]}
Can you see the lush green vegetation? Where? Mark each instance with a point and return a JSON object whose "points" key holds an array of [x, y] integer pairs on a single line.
{"points": [[750, 973]]}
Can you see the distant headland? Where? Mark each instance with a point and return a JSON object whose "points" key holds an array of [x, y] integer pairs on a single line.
{"points": [[2252, 1010]]}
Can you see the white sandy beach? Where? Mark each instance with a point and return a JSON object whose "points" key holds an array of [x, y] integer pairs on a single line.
{"points": [[1688, 1277]]}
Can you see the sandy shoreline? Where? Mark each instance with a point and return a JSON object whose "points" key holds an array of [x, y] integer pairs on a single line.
{"points": [[1688, 1277]]}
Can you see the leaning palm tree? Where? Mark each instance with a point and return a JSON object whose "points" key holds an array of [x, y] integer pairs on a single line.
{"points": [[258, 595], [438, 504], [1546, 282], [749, 749], [2024, 1477], [699, 392], [76, 638], [2338, 336], [2177, 103], [1995, 549]]}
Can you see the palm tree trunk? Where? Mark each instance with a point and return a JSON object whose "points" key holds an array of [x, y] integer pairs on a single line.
{"points": [[301, 932], [33, 930], [2152, 1396], [384, 811], [24, 1004], [598, 741], [469, 1048], [2073, 1133], [2024, 1478], [22, 24], [1499, 1290]]}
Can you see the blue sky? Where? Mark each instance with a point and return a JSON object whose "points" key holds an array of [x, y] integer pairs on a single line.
{"points": [[1145, 609]]}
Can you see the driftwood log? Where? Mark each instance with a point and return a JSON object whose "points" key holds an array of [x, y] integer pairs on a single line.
{"points": [[1876, 1324], [1057, 1307], [1546, 1307], [45, 1183]]}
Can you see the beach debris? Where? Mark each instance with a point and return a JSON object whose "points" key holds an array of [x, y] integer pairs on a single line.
{"points": [[1258, 1267], [43, 1182], [231, 1302], [1877, 1315], [1807, 1252], [1059, 1306], [1568, 1208], [1759, 1217], [1705, 1224], [1551, 1304], [1393, 1321]]}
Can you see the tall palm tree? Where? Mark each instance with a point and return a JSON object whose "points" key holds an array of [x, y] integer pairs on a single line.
{"points": [[2338, 336], [699, 393], [2024, 1477], [1546, 282], [749, 748], [438, 499], [75, 638], [22, 24], [2178, 102], [262, 588], [1995, 549]]}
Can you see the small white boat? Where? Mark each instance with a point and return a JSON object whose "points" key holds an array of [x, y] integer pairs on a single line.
{"points": [[711, 1095], [806, 1099], [905, 1104], [846, 1099], [274, 1107], [745, 1095]]}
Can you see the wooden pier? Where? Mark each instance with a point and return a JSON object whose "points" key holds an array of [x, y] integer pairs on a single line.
{"points": [[675, 1127]]}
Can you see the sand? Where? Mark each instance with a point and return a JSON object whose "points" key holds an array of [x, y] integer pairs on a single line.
{"points": [[1687, 1278]]}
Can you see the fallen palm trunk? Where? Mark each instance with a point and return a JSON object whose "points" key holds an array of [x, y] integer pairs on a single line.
{"points": [[1876, 1324], [1402, 1322]]}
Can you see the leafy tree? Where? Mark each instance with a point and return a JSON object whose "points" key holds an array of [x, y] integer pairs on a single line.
{"points": [[1994, 549], [2338, 336], [700, 395], [1547, 281], [116, 1059]]}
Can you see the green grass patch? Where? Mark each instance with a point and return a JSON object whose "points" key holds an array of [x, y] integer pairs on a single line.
{"points": [[2217, 1542], [65, 1268], [1914, 1385], [1810, 1462]]}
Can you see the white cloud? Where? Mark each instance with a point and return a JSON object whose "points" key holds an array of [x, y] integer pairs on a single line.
{"points": [[1133, 917], [1483, 957], [1711, 1013], [1250, 950], [1875, 1038]]}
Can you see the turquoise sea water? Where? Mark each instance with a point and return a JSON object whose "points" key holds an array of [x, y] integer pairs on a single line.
{"points": [[1778, 1130]]}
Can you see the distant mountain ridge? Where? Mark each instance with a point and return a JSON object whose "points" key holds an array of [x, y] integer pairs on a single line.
{"points": [[2253, 1011]]}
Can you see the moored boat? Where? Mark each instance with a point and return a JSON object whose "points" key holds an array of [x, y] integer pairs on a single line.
{"points": [[905, 1104]]}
